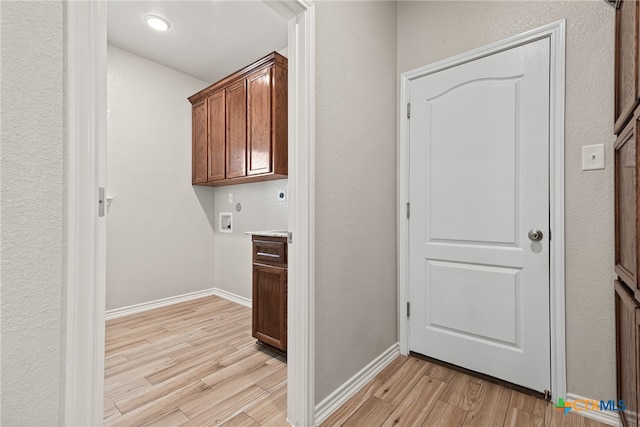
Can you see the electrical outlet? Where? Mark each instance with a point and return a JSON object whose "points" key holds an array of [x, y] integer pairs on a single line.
{"points": [[282, 196]]}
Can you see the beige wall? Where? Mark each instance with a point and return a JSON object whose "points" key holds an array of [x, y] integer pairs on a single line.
{"points": [[159, 226], [430, 31], [32, 212], [355, 188]]}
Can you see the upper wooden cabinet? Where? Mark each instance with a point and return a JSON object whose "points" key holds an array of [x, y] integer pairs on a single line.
{"points": [[199, 148], [627, 76], [216, 137], [240, 126]]}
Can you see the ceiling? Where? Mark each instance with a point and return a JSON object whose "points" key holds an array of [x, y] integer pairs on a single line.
{"points": [[207, 39]]}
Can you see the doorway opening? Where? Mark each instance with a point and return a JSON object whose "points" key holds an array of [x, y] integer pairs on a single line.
{"points": [[86, 47]]}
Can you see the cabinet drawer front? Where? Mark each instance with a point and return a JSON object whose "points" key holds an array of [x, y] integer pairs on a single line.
{"points": [[270, 251]]}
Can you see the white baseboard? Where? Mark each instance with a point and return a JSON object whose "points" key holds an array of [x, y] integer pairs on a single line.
{"points": [[336, 399], [139, 308], [232, 297], [611, 418]]}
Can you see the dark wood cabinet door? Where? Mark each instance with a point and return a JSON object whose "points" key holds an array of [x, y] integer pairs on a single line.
{"points": [[626, 227], [199, 143], [270, 305], [236, 130], [217, 136], [627, 353], [259, 122], [626, 62]]}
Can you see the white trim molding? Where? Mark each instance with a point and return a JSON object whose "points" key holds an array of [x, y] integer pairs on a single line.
{"points": [[301, 265], [343, 393], [163, 302], [86, 50], [611, 418], [246, 302], [556, 34]]}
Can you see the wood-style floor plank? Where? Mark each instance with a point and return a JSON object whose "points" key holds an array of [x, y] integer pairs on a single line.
{"points": [[489, 407], [415, 407], [373, 412], [241, 420]]}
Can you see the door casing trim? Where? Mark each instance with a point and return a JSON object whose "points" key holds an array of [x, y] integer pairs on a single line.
{"points": [[84, 313], [556, 33]]}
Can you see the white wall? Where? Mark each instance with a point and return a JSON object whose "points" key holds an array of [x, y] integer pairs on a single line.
{"points": [[32, 215], [430, 31], [356, 79], [159, 227], [260, 211]]}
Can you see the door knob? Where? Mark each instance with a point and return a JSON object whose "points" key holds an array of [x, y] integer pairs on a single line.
{"points": [[535, 235]]}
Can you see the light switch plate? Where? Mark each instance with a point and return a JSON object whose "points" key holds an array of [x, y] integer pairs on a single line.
{"points": [[593, 157], [230, 198]]}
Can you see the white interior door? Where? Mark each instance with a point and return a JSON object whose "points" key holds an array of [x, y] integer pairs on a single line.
{"points": [[479, 182]]}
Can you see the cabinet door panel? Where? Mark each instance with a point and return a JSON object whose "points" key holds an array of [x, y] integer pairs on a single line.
{"points": [[625, 204], [217, 134], [237, 130], [270, 305], [627, 356], [626, 62], [199, 143], [259, 122]]}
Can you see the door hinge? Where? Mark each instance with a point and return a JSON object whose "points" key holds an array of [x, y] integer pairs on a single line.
{"points": [[408, 110], [101, 201], [290, 237], [547, 395], [408, 210], [549, 234], [408, 309]]}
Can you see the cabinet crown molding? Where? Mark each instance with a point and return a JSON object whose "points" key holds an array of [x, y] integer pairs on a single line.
{"points": [[274, 58]]}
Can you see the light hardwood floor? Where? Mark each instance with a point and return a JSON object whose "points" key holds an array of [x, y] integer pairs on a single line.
{"points": [[193, 363], [196, 364], [414, 392]]}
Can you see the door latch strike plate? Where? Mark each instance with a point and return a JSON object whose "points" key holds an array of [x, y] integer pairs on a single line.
{"points": [[101, 201]]}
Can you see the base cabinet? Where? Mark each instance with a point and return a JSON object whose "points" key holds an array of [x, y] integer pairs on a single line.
{"points": [[628, 353], [270, 291]]}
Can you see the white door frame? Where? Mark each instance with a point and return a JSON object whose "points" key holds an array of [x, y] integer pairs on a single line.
{"points": [[86, 32], [556, 33]]}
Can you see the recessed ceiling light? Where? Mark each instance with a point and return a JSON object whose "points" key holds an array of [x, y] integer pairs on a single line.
{"points": [[157, 22]]}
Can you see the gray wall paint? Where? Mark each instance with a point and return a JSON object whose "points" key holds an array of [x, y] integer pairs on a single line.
{"points": [[159, 226], [32, 212], [261, 211], [430, 31], [356, 79]]}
